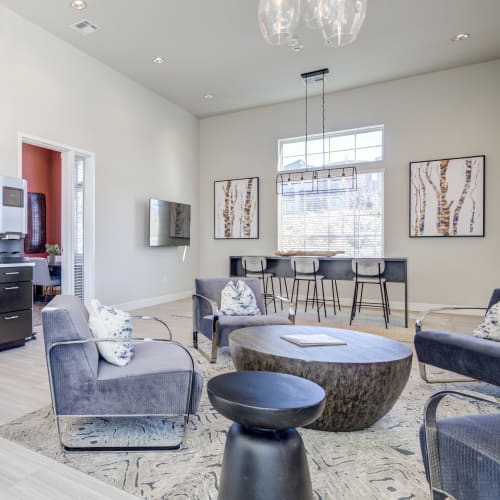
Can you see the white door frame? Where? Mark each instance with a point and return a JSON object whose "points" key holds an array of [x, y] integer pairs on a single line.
{"points": [[68, 154]]}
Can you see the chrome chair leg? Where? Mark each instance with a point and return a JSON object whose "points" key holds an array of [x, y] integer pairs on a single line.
{"points": [[323, 292], [333, 297]]}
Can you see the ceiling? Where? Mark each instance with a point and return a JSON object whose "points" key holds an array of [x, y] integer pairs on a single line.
{"points": [[215, 46]]}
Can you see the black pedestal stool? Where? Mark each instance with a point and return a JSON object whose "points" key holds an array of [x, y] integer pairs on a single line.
{"points": [[264, 457]]}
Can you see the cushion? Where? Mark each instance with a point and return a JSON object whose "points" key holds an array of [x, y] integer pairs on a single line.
{"points": [[489, 329], [238, 300], [460, 353], [107, 322]]}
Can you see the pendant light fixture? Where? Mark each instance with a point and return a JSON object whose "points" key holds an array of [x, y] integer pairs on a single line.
{"points": [[310, 13], [340, 21], [278, 20], [326, 179]]}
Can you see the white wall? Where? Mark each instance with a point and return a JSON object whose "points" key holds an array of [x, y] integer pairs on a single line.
{"points": [[445, 114], [144, 145]]}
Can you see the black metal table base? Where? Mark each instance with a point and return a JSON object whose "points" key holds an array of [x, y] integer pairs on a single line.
{"points": [[264, 465]]}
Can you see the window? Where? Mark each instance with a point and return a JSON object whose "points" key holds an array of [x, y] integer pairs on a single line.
{"points": [[348, 146], [352, 221], [78, 210]]}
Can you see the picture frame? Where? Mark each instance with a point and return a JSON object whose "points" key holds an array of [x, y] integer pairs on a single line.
{"points": [[236, 208], [447, 197]]}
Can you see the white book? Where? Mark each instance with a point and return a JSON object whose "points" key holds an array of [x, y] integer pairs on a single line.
{"points": [[315, 339]]}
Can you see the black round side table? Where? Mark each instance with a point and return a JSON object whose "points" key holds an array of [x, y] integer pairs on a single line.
{"points": [[264, 456]]}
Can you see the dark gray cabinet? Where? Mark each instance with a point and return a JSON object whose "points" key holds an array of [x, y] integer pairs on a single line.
{"points": [[15, 305]]}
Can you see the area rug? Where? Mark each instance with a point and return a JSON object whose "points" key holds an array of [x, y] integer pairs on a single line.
{"points": [[382, 462]]}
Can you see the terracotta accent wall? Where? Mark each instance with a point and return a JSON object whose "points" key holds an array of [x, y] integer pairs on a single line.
{"points": [[42, 171]]}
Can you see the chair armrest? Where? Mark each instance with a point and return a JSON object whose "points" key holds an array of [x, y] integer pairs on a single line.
{"points": [[419, 322], [133, 340], [430, 431], [213, 307], [431, 406], [152, 318]]}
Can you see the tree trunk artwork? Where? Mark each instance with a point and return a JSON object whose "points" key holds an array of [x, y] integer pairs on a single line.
{"points": [[247, 214], [236, 208], [228, 213], [473, 217], [446, 199], [461, 200], [423, 203]]}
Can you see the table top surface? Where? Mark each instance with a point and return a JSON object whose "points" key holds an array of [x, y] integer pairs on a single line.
{"points": [[252, 389], [322, 257], [360, 348], [17, 264]]}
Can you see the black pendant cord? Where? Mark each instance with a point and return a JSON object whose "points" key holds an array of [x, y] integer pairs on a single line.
{"points": [[319, 180], [323, 109], [306, 126]]}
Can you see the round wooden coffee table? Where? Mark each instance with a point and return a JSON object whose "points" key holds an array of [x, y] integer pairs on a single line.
{"points": [[362, 379]]}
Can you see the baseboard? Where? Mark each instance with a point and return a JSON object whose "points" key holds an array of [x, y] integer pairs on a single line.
{"points": [[153, 301], [344, 301]]}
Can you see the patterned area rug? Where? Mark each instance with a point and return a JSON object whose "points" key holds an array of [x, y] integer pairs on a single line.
{"points": [[382, 462]]}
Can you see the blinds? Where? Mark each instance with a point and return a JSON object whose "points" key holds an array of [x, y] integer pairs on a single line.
{"points": [[352, 222], [77, 223]]}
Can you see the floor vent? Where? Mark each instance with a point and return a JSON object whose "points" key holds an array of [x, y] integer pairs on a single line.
{"points": [[84, 27]]}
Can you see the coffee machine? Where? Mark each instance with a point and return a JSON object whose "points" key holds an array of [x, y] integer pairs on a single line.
{"points": [[13, 218]]}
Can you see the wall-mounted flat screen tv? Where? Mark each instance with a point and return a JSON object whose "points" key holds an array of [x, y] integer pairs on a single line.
{"points": [[169, 223]]}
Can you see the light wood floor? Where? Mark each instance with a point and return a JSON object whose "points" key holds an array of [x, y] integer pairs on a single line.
{"points": [[24, 388]]}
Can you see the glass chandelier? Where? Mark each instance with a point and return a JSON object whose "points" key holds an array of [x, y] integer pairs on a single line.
{"points": [[326, 179], [340, 21]]}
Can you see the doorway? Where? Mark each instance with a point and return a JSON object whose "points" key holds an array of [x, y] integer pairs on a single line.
{"points": [[67, 175]]}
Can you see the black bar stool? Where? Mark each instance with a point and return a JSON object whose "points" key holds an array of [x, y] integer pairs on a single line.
{"points": [[255, 267], [306, 269], [369, 272]]}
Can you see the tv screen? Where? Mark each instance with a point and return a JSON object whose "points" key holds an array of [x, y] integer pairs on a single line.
{"points": [[169, 223]]}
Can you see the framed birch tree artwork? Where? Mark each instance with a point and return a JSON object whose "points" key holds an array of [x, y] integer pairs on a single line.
{"points": [[236, 208], [447, 197]]}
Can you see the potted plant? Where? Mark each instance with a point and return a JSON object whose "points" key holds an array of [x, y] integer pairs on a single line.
{"points": [[52, 249]]}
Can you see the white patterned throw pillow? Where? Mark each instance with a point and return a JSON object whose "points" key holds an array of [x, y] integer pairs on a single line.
{"points": [[107, 322], [489, 329], [238, 300]]}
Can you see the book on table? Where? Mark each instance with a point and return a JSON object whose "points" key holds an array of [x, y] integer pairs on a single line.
{"points": [[316, 339]]}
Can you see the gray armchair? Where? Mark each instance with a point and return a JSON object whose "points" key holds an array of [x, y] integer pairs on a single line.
{"points": [[461, 454], [161, 379], [217, 327], [460, 353]]}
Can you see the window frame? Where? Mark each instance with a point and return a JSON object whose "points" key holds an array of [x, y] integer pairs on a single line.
{"points": [[363, 167], [330, 135]]}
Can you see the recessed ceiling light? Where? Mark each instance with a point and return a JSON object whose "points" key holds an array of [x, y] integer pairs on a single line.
{"points": [[159, 60], [79, 4], [460, 37], [208, 96]]}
